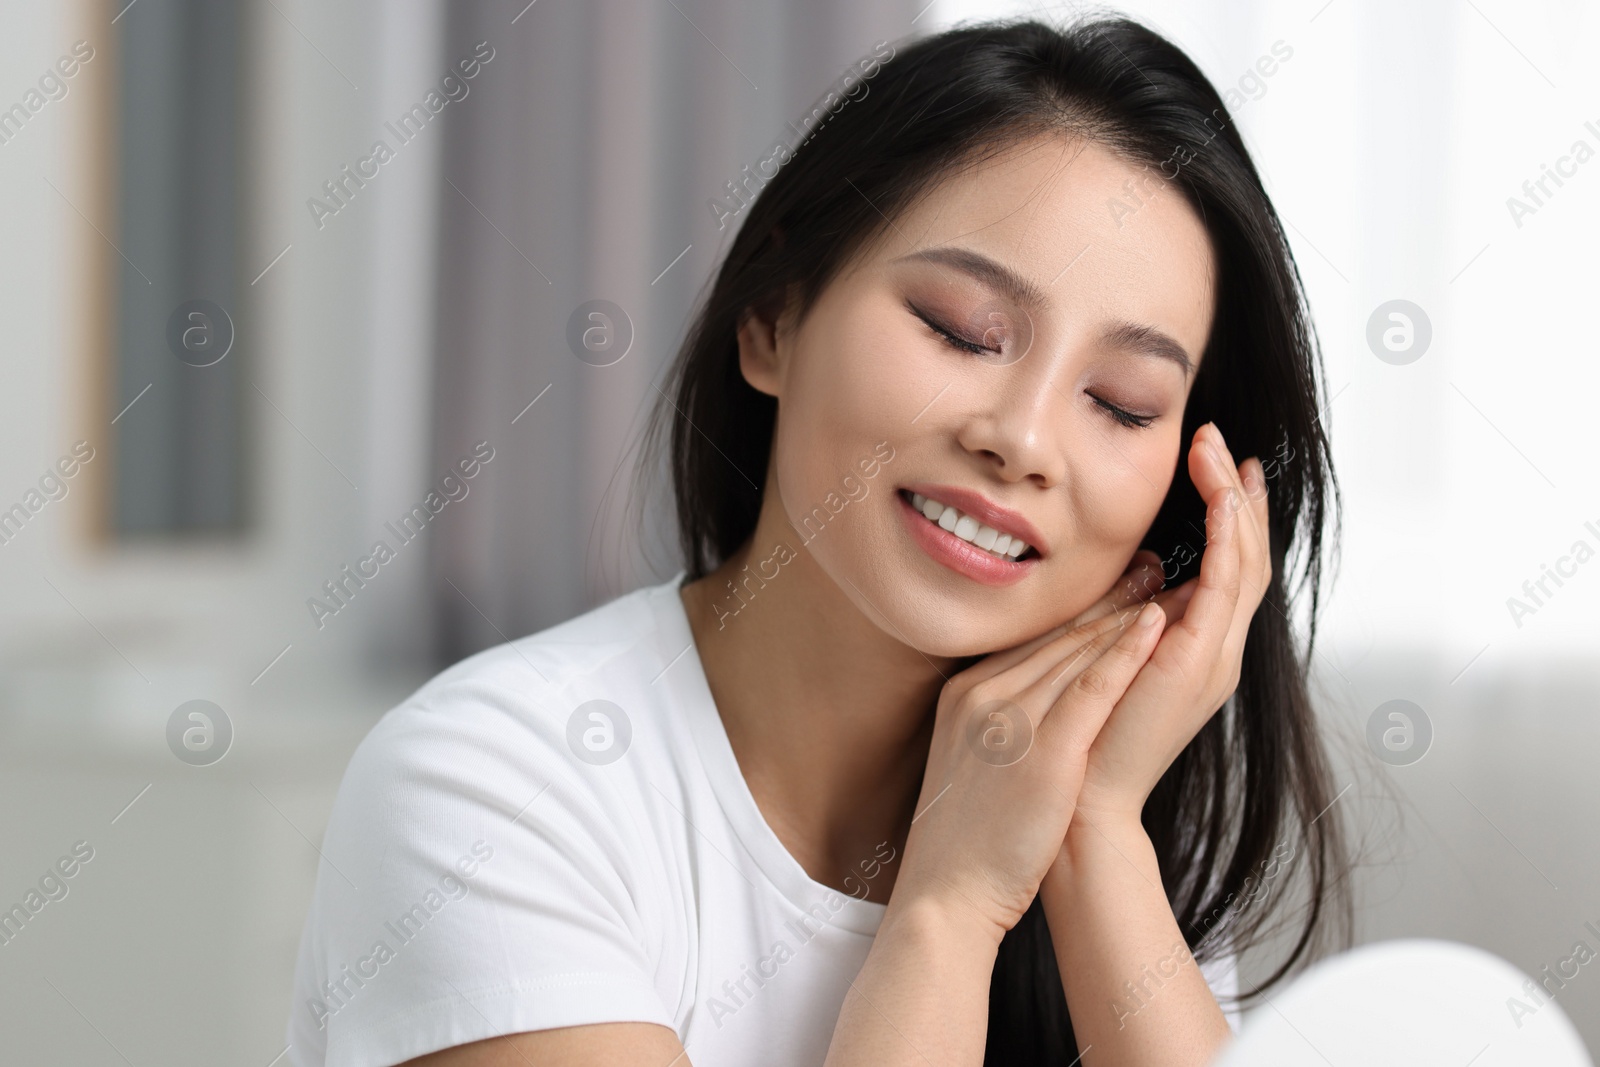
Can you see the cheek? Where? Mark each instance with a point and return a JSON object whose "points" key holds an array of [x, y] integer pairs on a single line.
{"points": [[1120, 493], [852, 385], [1114, 502], [859, 372]]}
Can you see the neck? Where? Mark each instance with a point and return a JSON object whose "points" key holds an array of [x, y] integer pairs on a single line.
{"points": [[830, 717]]}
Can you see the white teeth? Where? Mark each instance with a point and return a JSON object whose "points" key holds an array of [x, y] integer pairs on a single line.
{"points": [[967, 528]]}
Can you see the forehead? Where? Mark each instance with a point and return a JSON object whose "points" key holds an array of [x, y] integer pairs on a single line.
{"points": [[1092, 232]]}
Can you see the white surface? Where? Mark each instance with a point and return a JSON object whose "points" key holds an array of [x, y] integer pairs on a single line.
{"points": [[1409, 1003]]}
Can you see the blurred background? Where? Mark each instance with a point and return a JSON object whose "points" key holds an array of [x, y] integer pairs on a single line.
{"points": [[242, 345]]}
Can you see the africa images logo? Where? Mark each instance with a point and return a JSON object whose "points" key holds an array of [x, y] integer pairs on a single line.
{"points": [[342, 588], [342, 188], [811, 524], [342, 985]]}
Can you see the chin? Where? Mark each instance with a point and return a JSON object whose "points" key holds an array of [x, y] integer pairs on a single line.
{"points": [[930, 619]]}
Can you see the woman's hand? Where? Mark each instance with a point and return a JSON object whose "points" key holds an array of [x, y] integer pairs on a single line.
{"points": [[1141, 581], [1103, 898], [1010, 743], [1195, 667]]}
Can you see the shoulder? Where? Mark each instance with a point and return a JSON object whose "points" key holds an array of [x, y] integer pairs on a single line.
{"points": [[471, 841], [602, 640], [501, 717], [510, 747]]}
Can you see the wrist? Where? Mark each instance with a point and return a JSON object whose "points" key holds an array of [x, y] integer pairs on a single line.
{"points": [[1092, 835], [1093, 854], [943, 924]]}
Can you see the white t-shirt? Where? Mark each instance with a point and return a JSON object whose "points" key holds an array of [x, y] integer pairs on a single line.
{"points": [[554, 832]]}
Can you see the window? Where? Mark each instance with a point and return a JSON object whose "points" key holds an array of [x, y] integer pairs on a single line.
{"points": [[179, 451]]}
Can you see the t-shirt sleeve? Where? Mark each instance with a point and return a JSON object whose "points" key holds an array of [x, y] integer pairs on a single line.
{"points": [[472, 884]]}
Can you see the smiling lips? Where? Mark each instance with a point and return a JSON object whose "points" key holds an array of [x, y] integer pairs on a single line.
{"points": [[970, 535], [968, 528]]}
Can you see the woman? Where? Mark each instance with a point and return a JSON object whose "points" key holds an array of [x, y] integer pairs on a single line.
{"points": [[911, 762]]}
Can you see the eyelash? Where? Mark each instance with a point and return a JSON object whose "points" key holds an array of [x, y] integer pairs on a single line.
{"points": [[1124, 418], [959, 343]]}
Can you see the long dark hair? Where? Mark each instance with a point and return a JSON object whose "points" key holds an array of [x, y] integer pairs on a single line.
{"points": [[1248, 799]]}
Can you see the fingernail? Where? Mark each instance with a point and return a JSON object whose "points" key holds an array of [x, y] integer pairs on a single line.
{"points": [[1252, 480], [1149, 614]]}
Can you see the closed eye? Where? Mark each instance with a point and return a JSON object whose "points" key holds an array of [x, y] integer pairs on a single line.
{"points": [[1123, 417], [1126, 418], [954, 341]]}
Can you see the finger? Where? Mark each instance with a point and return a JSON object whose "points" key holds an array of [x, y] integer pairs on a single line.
{"points": [[1064, 653], [1174, 602], [1055, 675], [1255, 485], [1081, 709], [1139, 582], [1253, 543], [1255, 554], [996, 663], [1217, 451], [1199, 635], [1254, 548], [1082, 644], [1019, 666]]}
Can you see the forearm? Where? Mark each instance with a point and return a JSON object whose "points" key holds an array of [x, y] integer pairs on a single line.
{"points": [[922, 996], [1135, 994]]}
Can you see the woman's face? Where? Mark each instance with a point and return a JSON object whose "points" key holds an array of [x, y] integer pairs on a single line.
{"points": [[1076, 286]]}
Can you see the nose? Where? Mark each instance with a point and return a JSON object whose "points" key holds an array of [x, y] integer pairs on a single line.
{"points": [[1018, 425]]}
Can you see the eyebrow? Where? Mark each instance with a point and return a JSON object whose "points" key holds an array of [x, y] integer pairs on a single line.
{"points": [[992, 273], [1148, 341], [1144, 340]]}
